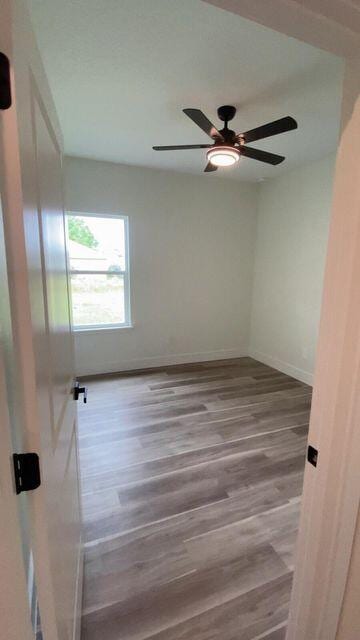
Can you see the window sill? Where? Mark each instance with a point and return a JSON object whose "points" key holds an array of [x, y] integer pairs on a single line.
{"points": [[120, 327]]}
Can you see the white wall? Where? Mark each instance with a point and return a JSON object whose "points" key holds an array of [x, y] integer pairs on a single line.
{"points": [[193, 273], [292, 232], [192, 244]]}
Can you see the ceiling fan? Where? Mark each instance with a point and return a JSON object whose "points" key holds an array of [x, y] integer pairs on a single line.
{"points": [[228, 146]]}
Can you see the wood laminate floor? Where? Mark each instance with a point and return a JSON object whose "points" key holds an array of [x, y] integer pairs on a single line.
{"points": [[191, 478]]}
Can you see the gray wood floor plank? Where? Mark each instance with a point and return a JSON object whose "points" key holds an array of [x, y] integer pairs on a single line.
{"points": [[192, 477], [185, 597], [235, 620], [283, 440]]}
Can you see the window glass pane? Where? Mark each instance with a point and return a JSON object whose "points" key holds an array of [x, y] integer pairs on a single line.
{"points": [[96, 243], [97, 299]]}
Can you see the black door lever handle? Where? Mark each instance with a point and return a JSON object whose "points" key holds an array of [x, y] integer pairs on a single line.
{"points": [[77, 390]]}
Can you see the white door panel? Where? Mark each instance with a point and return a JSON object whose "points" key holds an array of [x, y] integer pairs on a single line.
{"points": [[55, 370], [40, 314], [52, 223]]}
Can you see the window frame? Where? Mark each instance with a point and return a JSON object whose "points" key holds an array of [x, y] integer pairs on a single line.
{"points": [[125, 274]]}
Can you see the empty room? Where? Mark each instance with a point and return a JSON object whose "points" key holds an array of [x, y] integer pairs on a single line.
{"points": [[179, 256]]}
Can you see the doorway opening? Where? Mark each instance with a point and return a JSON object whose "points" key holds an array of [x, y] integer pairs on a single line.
{"points": [[198, 377]]}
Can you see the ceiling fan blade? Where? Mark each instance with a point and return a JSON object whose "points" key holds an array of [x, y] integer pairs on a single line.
{"points": [[269, 129], [263, 156], [210, 167], [202, 121], [183, 146]]}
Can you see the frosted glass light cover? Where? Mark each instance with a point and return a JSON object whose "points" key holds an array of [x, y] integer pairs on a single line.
{"points": [[223, 156]]}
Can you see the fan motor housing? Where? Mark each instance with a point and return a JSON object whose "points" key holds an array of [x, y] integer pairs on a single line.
{"points": [[229, 136]]}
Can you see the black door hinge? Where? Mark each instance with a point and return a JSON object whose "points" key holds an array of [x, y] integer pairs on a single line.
{"points": [[312, 455], [5, 82], [27, 471], [77, 390]]}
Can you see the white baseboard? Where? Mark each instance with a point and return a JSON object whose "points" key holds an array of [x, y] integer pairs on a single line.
{"points": [[78, 594], [285, 367], [160, 361], [187, 358]]}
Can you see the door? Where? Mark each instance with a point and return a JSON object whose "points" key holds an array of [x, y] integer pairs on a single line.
{"points": [[34, 226]]}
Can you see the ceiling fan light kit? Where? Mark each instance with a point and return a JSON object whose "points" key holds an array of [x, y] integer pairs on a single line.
{"points": [[228, 146], [223, 156]]}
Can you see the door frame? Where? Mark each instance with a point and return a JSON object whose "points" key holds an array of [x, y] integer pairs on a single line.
{"points": [[14, 609], [331, 493], [15, 613], [331, 496]]}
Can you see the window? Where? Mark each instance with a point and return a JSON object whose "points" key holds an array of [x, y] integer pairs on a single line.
{"points": [[99, 270]]}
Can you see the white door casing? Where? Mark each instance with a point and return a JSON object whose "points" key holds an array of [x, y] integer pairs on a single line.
{"points": [[331, 494], [14, 607]]}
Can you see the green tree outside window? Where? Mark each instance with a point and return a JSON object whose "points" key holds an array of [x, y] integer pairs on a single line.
{"points": [[80, 232]]}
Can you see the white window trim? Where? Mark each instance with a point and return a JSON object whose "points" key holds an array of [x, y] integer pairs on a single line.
{"points": [[126, 275]]}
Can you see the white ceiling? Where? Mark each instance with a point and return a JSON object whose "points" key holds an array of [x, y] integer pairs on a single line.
{"points": [[121, 71]]}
